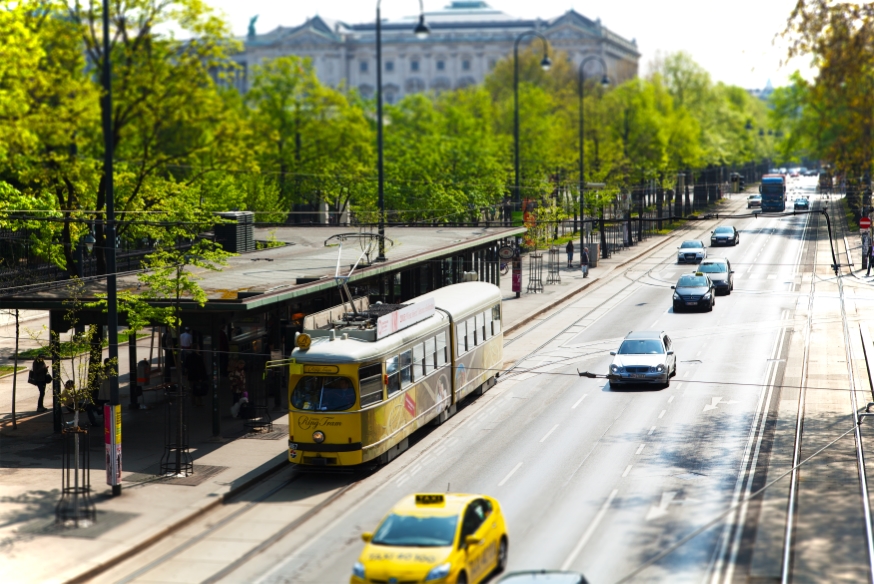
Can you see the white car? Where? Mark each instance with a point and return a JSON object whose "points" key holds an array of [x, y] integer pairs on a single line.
{"points": [[691, 251], [643, 357]]}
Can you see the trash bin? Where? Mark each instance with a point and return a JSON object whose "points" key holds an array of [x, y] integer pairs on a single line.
{"points": [[594, 254]]}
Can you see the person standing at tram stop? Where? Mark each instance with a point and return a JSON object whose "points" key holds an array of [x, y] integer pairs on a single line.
{"points": [[197, 375], [569, 248], [39, 376], [870, 253], [237, 377], [584, 262], [185, 341]]}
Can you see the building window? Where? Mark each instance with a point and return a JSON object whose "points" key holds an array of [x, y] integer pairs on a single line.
{"points": [[389, 65], [414, 65], [465, 65], [362, 66], [492, 63], [441, 65]]}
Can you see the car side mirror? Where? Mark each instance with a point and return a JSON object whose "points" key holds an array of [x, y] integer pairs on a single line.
{"points": [[613, 352], [731, 272], [367, 536], [472, 540], [673, 287], [711, 232], [670, 352]]}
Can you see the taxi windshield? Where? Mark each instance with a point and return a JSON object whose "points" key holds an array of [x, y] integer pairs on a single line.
{"points": [[407, 530], [692, 282], [714, 268], [323, 394], [641, 347], [692, 244]]}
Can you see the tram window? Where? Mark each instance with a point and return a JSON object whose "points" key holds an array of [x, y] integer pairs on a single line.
{"points": [[496, 319], [471, 333], [480, 334], [487, 319], [430, 355], [370, 384], [394, 375], [406, 368], [461, 337], [323, 394], [441, 349], [418, 361]]}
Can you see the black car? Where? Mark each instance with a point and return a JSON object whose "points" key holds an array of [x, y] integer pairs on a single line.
{"points": [[724, 235], [802, 205], [694, 291], [720, 273]]}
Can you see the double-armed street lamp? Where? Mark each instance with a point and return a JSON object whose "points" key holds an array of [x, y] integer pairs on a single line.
{"points": [[545, 64], [421, 31], [605, 83]]}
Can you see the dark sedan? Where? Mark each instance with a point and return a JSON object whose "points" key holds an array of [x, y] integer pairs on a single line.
{"points": [[694, 291], [724, 235], [802, 205], [720, 273]]}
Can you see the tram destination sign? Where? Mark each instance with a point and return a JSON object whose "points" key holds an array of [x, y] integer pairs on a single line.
{"points": [[405, 317]]}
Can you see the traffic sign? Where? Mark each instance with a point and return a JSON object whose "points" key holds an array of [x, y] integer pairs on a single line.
{"points": [[864, 223], [506, 252]]}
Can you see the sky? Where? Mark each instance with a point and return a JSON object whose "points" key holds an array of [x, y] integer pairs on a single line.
{"points": [[733, 40]]}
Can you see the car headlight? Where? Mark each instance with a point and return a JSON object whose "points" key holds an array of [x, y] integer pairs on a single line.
{"points": [[358, 570], [438, 572], [677, 296], [615, 368], [660, 368], [706, 296]]}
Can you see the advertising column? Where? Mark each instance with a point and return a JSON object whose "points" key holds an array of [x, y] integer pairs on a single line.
{"points": [[112, 437]]}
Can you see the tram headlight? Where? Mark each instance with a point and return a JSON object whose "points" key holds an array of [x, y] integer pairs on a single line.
{"points": [[358, 570], [318, 436]]}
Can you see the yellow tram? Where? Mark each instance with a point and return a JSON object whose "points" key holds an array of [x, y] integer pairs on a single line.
{"points": [[364, 377]]}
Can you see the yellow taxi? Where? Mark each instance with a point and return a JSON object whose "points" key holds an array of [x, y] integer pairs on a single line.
{"points": [[435, 538]]}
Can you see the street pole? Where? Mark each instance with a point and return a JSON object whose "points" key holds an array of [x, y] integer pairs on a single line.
{"points": [[111, 291], [545, 64], [421, 31], [581, 79]]}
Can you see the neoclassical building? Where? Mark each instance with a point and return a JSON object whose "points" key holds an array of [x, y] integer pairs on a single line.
{"points": [[467, 39]]}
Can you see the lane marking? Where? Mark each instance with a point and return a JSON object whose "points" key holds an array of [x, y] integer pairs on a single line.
{"points": [[640, 448], [507, 478], [670, 399], [579, 401], [627, 470], [589, 531], [662, 414], [545, 437], [651, 430]]}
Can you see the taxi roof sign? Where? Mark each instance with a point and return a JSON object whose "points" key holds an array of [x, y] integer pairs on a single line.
{"points": [[430, 499]]}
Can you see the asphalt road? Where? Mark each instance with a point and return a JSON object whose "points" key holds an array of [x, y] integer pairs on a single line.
{"points": [[591, 479], [594, 479]]}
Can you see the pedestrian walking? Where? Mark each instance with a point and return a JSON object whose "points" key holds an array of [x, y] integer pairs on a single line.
{"points": [[870, 254], [570, 254], [197, 375], [237, 377], [584, 262], [39, 376]]}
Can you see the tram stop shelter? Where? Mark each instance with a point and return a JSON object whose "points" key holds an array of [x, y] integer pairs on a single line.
{"points": [[258, 301]]}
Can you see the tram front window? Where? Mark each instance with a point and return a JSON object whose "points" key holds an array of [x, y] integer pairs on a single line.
{"points": [[323, 394]]}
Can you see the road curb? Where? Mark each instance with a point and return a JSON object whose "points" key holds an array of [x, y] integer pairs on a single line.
{"points": [[276, 464]]}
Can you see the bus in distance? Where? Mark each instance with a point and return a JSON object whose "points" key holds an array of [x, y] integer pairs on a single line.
{"points": [[773, 190]]}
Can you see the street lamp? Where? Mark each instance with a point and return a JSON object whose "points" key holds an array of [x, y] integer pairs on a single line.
{"points": [[605, 82], [89, 242], [545, 64], [421, 31]]}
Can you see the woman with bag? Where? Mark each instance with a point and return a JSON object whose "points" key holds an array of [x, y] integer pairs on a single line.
{"points": [[39, 376]]}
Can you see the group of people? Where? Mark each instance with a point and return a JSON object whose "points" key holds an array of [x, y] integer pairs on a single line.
{"points": [[584, 258]]}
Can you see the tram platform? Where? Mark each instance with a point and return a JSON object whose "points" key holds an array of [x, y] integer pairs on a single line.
{"points": [[150, 507]]}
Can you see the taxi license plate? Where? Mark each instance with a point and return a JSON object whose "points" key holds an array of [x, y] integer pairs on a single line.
{"points": [[691, 304], [638, 376]]}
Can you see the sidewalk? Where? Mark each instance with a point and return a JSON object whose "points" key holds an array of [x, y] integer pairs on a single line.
{"points": [[34, 550]]}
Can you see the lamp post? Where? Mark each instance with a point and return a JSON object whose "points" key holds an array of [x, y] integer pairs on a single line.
{"points": [[545, 64], [605, 82], [421, 31]]}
